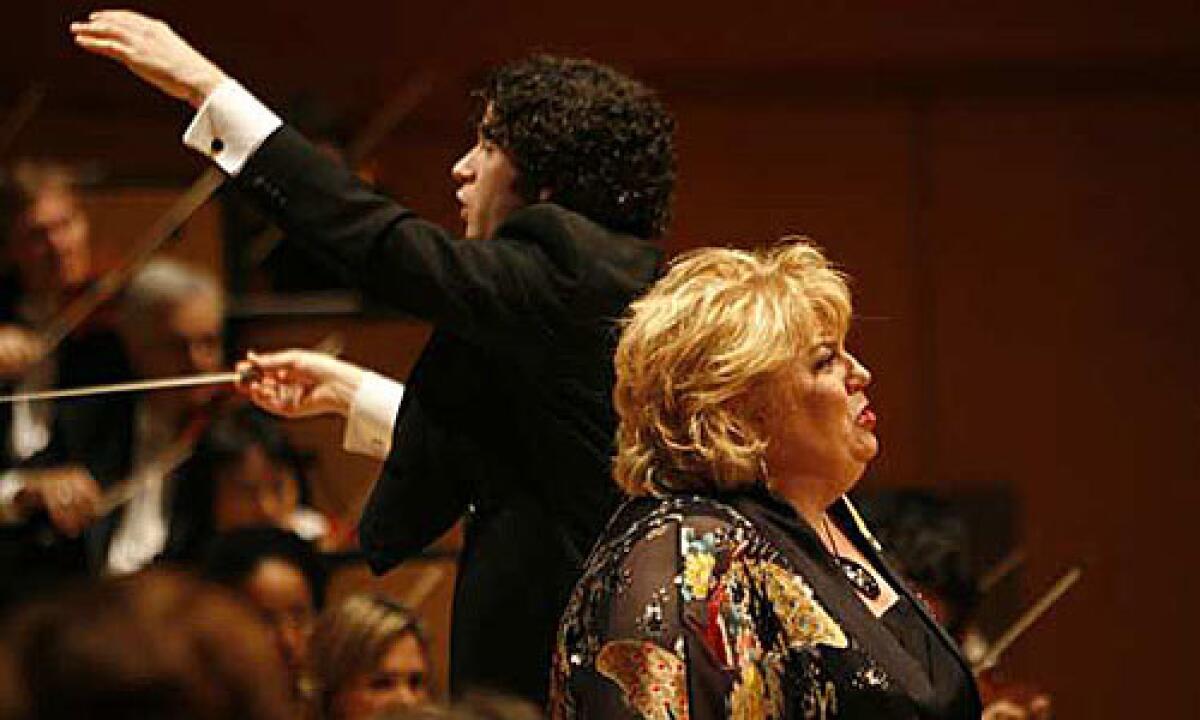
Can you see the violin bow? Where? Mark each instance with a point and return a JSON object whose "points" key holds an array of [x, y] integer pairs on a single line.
{"points": [[156, 237], [26, 107], [1027, 619], [1000, 570]]}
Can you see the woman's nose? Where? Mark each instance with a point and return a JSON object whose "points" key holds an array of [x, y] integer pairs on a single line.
{"points": [[859, 377]]}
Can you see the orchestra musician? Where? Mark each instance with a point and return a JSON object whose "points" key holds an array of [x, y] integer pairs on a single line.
{"points": [[48, 261], [120, 446]]}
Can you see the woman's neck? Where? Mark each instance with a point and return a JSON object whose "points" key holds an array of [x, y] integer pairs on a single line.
{"points": [[810, 497]]}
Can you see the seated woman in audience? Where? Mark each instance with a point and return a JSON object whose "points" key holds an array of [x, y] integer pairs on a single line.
{"points": [[280, 575], [738, 581], [368, 654], [157, 644]]}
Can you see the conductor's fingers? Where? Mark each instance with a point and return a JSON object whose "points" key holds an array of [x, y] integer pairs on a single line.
{"points": [[274, 360], [114, 49]]}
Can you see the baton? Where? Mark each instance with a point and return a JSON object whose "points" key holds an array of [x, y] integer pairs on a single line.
{"points": [[125, 387]]}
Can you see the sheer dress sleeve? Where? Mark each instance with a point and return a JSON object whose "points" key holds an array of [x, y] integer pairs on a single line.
{"points": [[691, 616]]}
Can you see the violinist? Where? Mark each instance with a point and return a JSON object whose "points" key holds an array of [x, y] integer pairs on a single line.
{"points": [[169, 324], [929, 542], [48, 258], [170, 321]]}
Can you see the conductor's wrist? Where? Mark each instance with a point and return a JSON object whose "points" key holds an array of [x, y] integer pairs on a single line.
{"points": [[345, 387], [204, 85]]}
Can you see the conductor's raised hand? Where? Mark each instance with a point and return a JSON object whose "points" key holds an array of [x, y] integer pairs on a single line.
{"points": [[152, 50], [299, 383]]}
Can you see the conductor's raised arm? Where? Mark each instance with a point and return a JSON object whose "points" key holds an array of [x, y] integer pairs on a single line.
{"points": [[152, 51]]}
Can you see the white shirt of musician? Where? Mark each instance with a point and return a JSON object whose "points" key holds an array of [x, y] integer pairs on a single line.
{"points": [[31, 421], [141, 533]]}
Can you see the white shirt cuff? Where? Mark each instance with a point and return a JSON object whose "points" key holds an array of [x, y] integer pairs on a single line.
{"points": [[372, 416], [230, 126]]}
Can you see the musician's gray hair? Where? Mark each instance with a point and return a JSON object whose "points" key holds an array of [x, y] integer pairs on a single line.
{"points": [[161, 285]]}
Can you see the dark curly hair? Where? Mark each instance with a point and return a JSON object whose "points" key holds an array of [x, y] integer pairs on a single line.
{"points": [[600, 142]]}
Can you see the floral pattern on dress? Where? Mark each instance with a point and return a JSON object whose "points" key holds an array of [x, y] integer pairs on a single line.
{"points": [[699, 561], [688, 609], [756, 694], [653, 679], [805, 622]]}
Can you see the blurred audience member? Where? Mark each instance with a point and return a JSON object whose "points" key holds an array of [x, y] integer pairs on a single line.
{"points": [[153, 645], [474, 705], [368, 654], [244, 473], [281, 576]]}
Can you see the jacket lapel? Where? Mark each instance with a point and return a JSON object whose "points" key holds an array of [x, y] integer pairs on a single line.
{"points": [[852, 521], [806, 552]]}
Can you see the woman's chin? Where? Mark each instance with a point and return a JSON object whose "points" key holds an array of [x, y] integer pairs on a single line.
{"points": [[866, 450]]}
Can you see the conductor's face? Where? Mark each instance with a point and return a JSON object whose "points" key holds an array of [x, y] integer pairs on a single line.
{"points": [[486, 177]]}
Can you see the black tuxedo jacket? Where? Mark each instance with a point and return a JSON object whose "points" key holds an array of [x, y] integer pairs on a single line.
{"points": [[507, 416]]}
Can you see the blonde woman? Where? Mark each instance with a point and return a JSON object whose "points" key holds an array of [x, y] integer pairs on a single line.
{"points": [[368, 655], [738, 581]]}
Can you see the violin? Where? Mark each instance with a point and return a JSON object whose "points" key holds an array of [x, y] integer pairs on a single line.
{"points": [[1005, 698]]}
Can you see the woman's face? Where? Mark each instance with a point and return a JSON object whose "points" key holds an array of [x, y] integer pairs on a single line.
{"points": [[820, 430], [282, 594], [401, 679]]}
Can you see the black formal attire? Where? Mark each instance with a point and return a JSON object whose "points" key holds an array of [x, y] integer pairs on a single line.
{"points": [[507, 415], [95, 433], [700, 607], [92, 355]]}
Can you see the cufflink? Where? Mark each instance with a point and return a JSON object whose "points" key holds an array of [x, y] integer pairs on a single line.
{"points": [[217, 145]]}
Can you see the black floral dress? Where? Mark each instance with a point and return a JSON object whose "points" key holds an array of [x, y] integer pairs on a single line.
{"points": [[697, 607]]}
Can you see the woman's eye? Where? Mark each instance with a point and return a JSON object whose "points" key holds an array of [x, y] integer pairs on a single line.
{"points": [[825, 361]]}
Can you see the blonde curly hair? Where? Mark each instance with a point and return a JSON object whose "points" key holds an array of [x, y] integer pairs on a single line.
{"points": [[698, 357]]}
